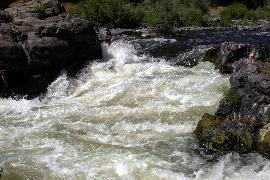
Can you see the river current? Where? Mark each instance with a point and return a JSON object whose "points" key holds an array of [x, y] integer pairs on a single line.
{"points": [[128, 116]]}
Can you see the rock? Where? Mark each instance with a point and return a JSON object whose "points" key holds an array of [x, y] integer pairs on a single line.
{"points": [[263, 145], [227, 53], [251, 80], [214, 21], [236, 127], [12, 56], [36, 8], [163, 29], [37, 41], [244, 24], [4, 17], [222, 135], [1, 171], [160, 30]]}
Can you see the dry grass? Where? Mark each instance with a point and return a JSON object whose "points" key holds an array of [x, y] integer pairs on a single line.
{"points": [[14, 2], [69, 5], [215, 11]]}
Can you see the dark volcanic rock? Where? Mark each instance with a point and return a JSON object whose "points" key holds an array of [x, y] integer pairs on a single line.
{"points": [[4, 17], [242, 126], [12, 55], [37, 40], [263, 145], [36, 8], [251, 79], [224, 134], [224, 55]]}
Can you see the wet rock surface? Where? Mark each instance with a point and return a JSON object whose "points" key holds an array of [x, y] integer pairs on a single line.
{"points": [[173, 46], [242, 126], [263, 145], [223, 56], [38, 40], [224, 134]]}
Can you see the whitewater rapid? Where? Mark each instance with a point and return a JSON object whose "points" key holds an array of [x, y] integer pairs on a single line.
{"points": [[127, 116]]}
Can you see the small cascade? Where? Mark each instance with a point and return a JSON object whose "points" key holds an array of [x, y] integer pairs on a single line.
{"points": [[192, 57]]}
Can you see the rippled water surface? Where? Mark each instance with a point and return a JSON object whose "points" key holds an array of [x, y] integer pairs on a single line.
{"points": [[129, 116]]}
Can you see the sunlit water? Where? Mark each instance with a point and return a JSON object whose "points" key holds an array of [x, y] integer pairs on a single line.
{"points": [[127, 117]]}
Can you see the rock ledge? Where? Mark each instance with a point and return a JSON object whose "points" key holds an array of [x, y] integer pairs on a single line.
{"points": [[242, 126], [38, 39]]}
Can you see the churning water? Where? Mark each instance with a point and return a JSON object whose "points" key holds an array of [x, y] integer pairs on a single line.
{"points": [[127, 117]]}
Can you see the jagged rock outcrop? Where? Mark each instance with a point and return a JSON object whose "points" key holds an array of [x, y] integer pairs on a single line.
{"points": [[38, 39], [224, 55], [241, 124]]}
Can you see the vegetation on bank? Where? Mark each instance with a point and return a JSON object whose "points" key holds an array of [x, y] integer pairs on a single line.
{"points": [[229, 95], [177, 13], [240, 11], [123, 13]]}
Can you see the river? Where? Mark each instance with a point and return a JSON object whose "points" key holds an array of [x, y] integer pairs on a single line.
{"points": [[128, 116]]}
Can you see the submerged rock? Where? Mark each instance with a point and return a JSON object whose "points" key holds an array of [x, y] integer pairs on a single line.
{"points": [[38, 40], [237, 126]]}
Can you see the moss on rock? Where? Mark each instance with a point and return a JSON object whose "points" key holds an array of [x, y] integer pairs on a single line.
{"points": [[212, 56], [208, 122], [219, 134], [263, 145]]}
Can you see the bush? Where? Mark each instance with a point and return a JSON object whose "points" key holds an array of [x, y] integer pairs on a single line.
{"points": [[175, 12], [233, 12], [110, 13], [239, 11], [190, 17], [125, 14], [263, 12], [160, 12], [229, 95], [41, 11]]}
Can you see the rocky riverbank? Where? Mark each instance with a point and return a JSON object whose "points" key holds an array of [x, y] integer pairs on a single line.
{"points": [[241, 122], [38, 40]]}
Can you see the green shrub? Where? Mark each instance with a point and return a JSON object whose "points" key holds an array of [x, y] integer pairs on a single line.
{"points": [[160, 12], [124, 13], [110, 13], [263, 12], [41, 11], [229, 94], [134, 13], [232, 12], [190, 17], [175, 12], [239, 11]]}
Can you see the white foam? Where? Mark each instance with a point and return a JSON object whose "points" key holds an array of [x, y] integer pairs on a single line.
{"points": [[124, 118]]}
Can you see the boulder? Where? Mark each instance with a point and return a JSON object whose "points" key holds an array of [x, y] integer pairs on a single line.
{"points": [[251, 80], [36, 8], [219, 134], [12, 55], [4, 17], [263, 145], [227, 53], [242, 126], [160, 30], [37, 41]]}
